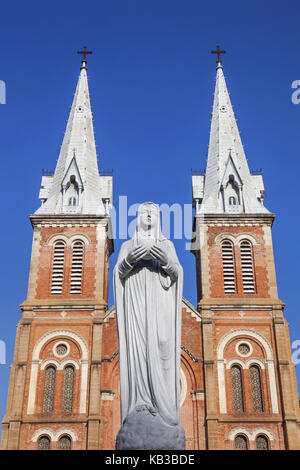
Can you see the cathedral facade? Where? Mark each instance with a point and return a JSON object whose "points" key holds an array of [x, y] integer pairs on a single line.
{"points": [[238, 382]]}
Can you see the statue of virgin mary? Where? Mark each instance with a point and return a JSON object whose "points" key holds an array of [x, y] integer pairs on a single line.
{"points": [[148, 292]]}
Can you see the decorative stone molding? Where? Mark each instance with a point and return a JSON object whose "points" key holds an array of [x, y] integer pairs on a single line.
{"points": [[54, 435], [59, 365], [36, 365], [269, 360], [251, 434], [236, 240], [191, 355], [68, 240]]}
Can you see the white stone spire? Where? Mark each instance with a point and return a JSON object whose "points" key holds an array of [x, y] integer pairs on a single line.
{"points": [[76, 186], [227, 186]]}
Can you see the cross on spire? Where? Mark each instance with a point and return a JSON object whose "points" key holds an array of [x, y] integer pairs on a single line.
{"points": [[84, 53], [219, 52]]}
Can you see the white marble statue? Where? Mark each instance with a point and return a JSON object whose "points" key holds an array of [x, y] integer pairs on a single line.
{"points": [[148, 291]]}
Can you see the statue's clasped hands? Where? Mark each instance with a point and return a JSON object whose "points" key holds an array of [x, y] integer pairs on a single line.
{"points": [[141, 251]]}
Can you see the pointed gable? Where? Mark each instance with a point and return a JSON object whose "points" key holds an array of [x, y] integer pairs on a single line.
{"points": [[79, 139], [225, 141]]}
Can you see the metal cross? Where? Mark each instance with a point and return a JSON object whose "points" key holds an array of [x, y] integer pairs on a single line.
{"points": [[84, 52], [218, 52]]}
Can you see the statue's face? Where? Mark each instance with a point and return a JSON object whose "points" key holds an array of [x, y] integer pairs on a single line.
{"points": [[148, 216]]}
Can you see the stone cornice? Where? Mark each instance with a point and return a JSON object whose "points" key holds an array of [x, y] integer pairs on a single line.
{"points": [[64, 304], [236, 219], [241, 304], [67, 219]]}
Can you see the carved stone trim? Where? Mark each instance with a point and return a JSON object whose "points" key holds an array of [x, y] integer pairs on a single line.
{"points": [[191, 355], [110, 359]]}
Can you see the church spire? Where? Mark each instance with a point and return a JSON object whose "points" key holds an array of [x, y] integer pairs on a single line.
{"points": [[228, 185], [76, 186]]}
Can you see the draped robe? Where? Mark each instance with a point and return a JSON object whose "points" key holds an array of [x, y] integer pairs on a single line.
{"points": [[148, 304]]}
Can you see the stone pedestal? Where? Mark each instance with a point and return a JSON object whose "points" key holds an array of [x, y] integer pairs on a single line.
{"points": [[144, 429]]}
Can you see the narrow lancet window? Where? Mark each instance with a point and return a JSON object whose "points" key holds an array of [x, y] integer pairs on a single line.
{"points": [[49, 389], [228, 267], [247, 267], [237, 389], [58, 268], [256, 389], [68, 389], [77, 266]]}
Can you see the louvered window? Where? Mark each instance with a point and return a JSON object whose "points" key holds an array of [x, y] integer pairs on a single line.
{"points": [[247, 267], [58, 268], [49, 390], [68, 389], [237, 389], [77, 262], [228, 267]]}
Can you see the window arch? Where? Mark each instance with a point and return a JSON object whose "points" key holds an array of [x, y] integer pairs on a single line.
{"points": [[68, 389], [262, 443], [49, 387], [228, 267], [72, 201], [58, 268], [247, 267], [77, 266], [65, 443], [232, 201], [44, 443], [241, 442], [256, 389], [237, 389]]}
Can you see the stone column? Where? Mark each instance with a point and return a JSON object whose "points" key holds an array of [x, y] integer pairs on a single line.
{"points": [[209, 381], [93, 436]]}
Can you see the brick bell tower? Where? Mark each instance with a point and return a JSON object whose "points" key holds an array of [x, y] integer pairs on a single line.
{"points": [[54, 391], [251, 398]]}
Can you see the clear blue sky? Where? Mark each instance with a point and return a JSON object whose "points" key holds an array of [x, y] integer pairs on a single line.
{"points": [[151, 80]]}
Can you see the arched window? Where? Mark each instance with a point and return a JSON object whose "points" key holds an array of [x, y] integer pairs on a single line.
{"points": [[77, 263], [228, 267], [237, 389], [65, 443], [262, 443], [255, 380], [72, 201], [44, 443], [232, 201], [68, 389], [49, 389], [241, 442], [58, 268], [247, 267]]}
